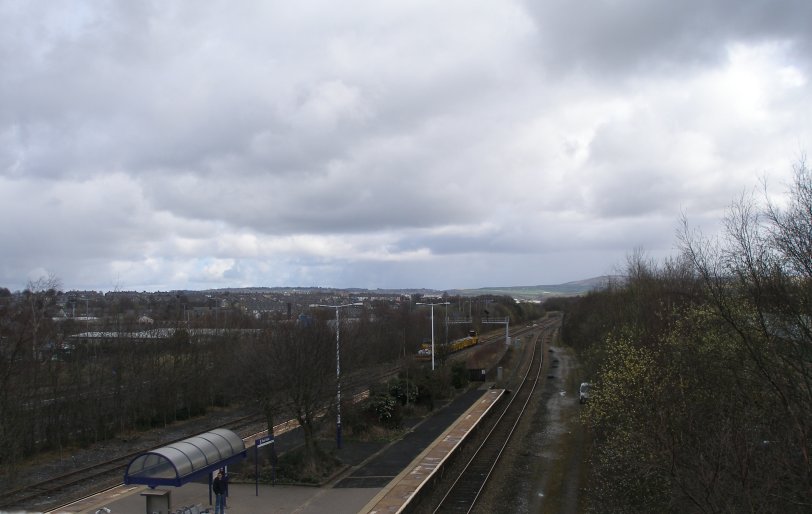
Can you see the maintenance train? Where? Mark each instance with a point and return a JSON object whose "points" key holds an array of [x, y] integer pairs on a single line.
{"points": [[424, 353]]}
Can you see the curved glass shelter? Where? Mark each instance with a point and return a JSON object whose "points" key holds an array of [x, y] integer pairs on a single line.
{"points": [[182, 462]]}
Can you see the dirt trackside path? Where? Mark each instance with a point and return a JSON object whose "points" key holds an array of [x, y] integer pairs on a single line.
{"points": [[545, 466], [561, 466]]}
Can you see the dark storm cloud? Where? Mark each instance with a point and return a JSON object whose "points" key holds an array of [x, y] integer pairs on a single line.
{"points": [[628, 36]]}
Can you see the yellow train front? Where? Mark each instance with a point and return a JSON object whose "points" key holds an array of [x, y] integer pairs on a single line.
{"points": [[424, 353]]}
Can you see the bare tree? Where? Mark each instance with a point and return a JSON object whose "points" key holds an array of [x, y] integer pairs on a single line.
{"points": [[301, 360], [40, 295], [759, 282], [260, 381], [24, 326]]}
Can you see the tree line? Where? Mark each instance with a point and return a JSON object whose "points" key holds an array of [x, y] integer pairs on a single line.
{"points": [[55, 397], [702, 368]]}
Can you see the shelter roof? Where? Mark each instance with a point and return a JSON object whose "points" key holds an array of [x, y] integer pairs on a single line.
{"points": [[183, 461]]}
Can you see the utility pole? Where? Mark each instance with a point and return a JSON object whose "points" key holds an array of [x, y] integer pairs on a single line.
{"points": [[338, 367], [432, 328]]}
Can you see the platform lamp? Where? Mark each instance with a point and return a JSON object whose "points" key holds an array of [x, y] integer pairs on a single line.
{"points": [[338, 365], [432, 327]]}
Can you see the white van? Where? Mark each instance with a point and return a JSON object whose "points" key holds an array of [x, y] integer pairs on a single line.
{"points": [[583, 393]]}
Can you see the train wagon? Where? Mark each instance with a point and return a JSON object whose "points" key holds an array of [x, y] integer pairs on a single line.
{"points": [[424, 353]]}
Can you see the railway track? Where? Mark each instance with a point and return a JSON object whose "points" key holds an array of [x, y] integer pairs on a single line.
{"points": [[101, 476], [50, 493], [464, 492], [98, 477]]}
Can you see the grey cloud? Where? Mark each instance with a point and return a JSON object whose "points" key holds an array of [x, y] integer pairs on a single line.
{"points": [[180, 91], [615, 38], [135, 136]]}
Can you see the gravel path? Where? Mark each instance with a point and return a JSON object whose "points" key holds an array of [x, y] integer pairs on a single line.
{"points": [[544, 467]]}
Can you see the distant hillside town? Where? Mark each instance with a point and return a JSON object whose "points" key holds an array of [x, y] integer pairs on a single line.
{"points": [[211, 308]]}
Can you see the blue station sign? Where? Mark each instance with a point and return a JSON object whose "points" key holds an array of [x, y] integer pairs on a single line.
{"points": [[264, 441]]}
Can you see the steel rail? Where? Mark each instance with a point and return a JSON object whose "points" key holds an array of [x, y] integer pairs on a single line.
{"points": [[64, 481], [463, 494], [59, 483]]}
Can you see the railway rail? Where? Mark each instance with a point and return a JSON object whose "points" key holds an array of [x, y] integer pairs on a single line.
{"points": [[103, 475], [98, 476], [52, 493], [463, 494]]}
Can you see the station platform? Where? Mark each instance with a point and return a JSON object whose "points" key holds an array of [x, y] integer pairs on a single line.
{"points": [[407, 485], [381, 479], [242, 500]]}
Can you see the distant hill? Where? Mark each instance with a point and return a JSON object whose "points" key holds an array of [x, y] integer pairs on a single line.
{"points": [[520, 292], [542, 291]]}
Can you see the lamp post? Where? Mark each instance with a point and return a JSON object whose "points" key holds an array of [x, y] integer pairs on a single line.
{"points": [[338, 367], [432, 328]]}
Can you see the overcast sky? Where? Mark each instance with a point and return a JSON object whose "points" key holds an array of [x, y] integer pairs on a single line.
{"points": [[383, 144]]}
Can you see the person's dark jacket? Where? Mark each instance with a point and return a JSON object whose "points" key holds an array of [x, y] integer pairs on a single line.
{"points": [[217, 486]]}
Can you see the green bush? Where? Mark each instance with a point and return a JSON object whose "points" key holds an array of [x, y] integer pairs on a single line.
{"points": [[387, 410], [403, 390]]}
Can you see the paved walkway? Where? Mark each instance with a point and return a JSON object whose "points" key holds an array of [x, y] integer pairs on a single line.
{"points": [[378, 471], [243, 499], [417, 476]]}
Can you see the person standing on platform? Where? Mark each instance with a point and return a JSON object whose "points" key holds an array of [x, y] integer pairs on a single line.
{"points": [[224, 487], [218, 488]]}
